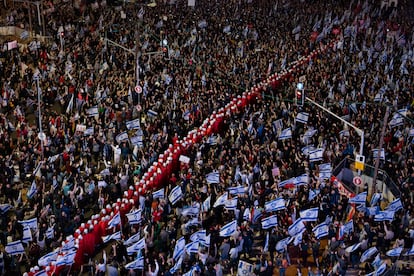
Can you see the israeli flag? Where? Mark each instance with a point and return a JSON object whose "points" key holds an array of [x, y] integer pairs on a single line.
{"points": [[213, 177], [395, 206], [4, 208], [206, 241], [206, 204], [69, 245], [228, 229], [344, 133], [321, 230], [31, 223], [285, 134], [381, 269], [384, 215], [158, 194], [115, 221], [231, 204], [221, 200], [190, 211], [382, 153], [136, 247], [133, 239], [152, 113], [48, 258], [121, 137], [375, 199], [395, 252], [325, 175], [296, 227], [359, 198], [309, 134], [301, 180], [313, 193], [133, 124], [175, 195], [372, 211], [282, 244], [307, 149], [411, 132], [137, 140], [33, 189], [244, 268], [50, 233], [396, 121], [179, 248], [88, 132], [269, 222], [27, 235], [237, 190], [278, 124], [93, 111], [199, 235], [66, 259], [14, 248], [325, 167], [352, 248], [410, 252], [177, 266], [353, 107], [316, 155], [192, 247], [134, 217], [302, 117], [298, 238], [368, 254], [246, 214], [275, 205], [377, 261], [115, 236], [287, 183], [309, 214], [137, 264], [347, 228]]}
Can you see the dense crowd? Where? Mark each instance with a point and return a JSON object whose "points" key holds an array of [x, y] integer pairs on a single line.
{"points": [[102, 137]]}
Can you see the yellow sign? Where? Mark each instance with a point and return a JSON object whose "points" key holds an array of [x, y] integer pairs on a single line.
{"points": [[360, 162]]}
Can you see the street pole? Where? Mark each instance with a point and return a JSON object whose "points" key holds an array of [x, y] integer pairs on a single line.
{"points": [[381, 144], [41, 135]]}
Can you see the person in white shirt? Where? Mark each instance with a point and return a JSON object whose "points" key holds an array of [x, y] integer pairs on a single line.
{"points": [[154, 272]]}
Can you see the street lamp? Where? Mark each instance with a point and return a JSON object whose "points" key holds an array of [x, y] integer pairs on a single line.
{"points": [[41, 135]]}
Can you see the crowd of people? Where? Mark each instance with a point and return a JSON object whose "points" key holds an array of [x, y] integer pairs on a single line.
{"points": [[108, 147]]}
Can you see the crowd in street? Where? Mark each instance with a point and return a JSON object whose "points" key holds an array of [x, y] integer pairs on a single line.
{"points": [[111, 140]]}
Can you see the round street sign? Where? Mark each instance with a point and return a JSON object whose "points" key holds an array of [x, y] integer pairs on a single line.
{"points": [[357, 181], [138, 107], [138, 89]]}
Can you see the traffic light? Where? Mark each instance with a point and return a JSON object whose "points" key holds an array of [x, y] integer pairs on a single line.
{"points": [[300, 94]]}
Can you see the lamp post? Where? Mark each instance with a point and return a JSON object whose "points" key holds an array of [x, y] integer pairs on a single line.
{"points": [[41, 135]]}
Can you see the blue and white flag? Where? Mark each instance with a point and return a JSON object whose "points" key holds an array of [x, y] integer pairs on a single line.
{"points": [[221, 200], [325, 167], [282, 244], [137, 140], [353, 107], [360, 198], [237, 190], [313, 193], [244, 268], [177, 266], [133, 239], [410, 252], [375, 199], [381, 269], [137, 264], [296, 227], [66, 259], [395, 206], [309, 134], [69, 245], [321, 230], [152, 113], [27, 235], [199, 235], [352, 248], [14, 248], [269, 222], [285, 134], [307, 149], [33, 189], [190, 211], [301, 180], [302, 117], [228, 229], [206, 241], [206, 204], [133, 124], [121, 137], [31, 223], [375, 153], [275, 205], [115, 236], [47, 259], [175, 195], [395, 252], [247, 214], [309, 214], [316, 155], [134, 217], [92, 111], [298, 238], [325, 175], [4, 208], [384, 216], [347, 228], [288, 183], [377, 261], [278, 124], [158, 194], [372, 211], [213, 177], [179, 248], [368, 254], [115, 221], [136, 247], [88, 132], [192, 247], [231, 204], [266, 244]]}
